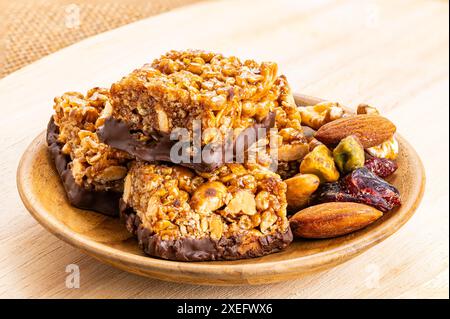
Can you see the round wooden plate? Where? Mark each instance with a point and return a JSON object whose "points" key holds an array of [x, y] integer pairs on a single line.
{"points": [[106, 238]]}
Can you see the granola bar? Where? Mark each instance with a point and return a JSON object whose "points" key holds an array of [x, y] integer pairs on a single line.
{"points": [[221, 93], [237, 211], [92, 173], [94, 165]]}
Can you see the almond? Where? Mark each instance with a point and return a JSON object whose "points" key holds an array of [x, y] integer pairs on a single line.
{"points": [[370, 129], [332, 219]]}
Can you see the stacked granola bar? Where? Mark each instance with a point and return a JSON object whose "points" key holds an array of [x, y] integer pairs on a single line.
{"points": [[119, 141]]}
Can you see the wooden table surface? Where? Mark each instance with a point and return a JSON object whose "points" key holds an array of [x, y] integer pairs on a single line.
{"points": [[391, 54]]}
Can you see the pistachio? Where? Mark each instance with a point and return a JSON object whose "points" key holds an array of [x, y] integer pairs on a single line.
{"points": [[349, 154], [320, 162]]}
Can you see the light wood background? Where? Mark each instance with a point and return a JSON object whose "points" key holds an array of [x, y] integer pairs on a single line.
{"points": [[391, 54]]}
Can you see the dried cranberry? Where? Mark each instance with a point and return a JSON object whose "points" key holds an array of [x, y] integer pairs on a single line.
{"points": [[332, 192], [361, 186], [382, 167], [366, 185]]}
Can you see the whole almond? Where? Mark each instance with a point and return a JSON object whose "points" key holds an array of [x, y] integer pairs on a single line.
{"points": [[370, 129], [332, 219]]}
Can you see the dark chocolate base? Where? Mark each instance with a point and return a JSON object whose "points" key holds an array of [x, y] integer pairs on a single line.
{"points": [[117, 134], [104, 202], [205, 249]]}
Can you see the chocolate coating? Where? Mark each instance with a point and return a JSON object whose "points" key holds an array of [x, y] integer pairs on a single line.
{"points": [[104, 202], [116, 133], [205, 249]]}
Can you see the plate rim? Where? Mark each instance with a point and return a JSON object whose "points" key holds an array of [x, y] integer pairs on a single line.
{"points": [[291, 267]]}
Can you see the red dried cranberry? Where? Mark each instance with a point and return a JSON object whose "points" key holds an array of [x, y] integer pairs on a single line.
{"points": [[361, 186], [382, 167], [366, 185]]}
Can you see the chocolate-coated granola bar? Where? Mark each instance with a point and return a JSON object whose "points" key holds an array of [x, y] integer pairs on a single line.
{"points": [[237, 211], [220, 93], [92, 172]]}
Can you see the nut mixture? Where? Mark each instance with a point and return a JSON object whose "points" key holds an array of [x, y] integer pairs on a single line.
{"points": [[94, 165], [235, 200], [350, 155]]}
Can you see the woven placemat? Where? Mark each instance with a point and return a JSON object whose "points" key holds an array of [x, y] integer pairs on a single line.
{"points": [[32, 29]]}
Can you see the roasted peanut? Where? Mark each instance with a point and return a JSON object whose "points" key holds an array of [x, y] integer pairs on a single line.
{"points": [[112, 173], [262, 200], [209, 197], [349, 154], [163, 120], [127, 188], [268, 218], [299, 190], [105, 113], [216, 227], [242, 201], [320, 162]]}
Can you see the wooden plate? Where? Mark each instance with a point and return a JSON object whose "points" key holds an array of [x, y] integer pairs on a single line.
{"points": [[107, 240]]}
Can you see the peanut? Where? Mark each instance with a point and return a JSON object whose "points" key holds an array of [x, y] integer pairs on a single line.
{"points": [[209, 197], [299, 190], [242, 201]]}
